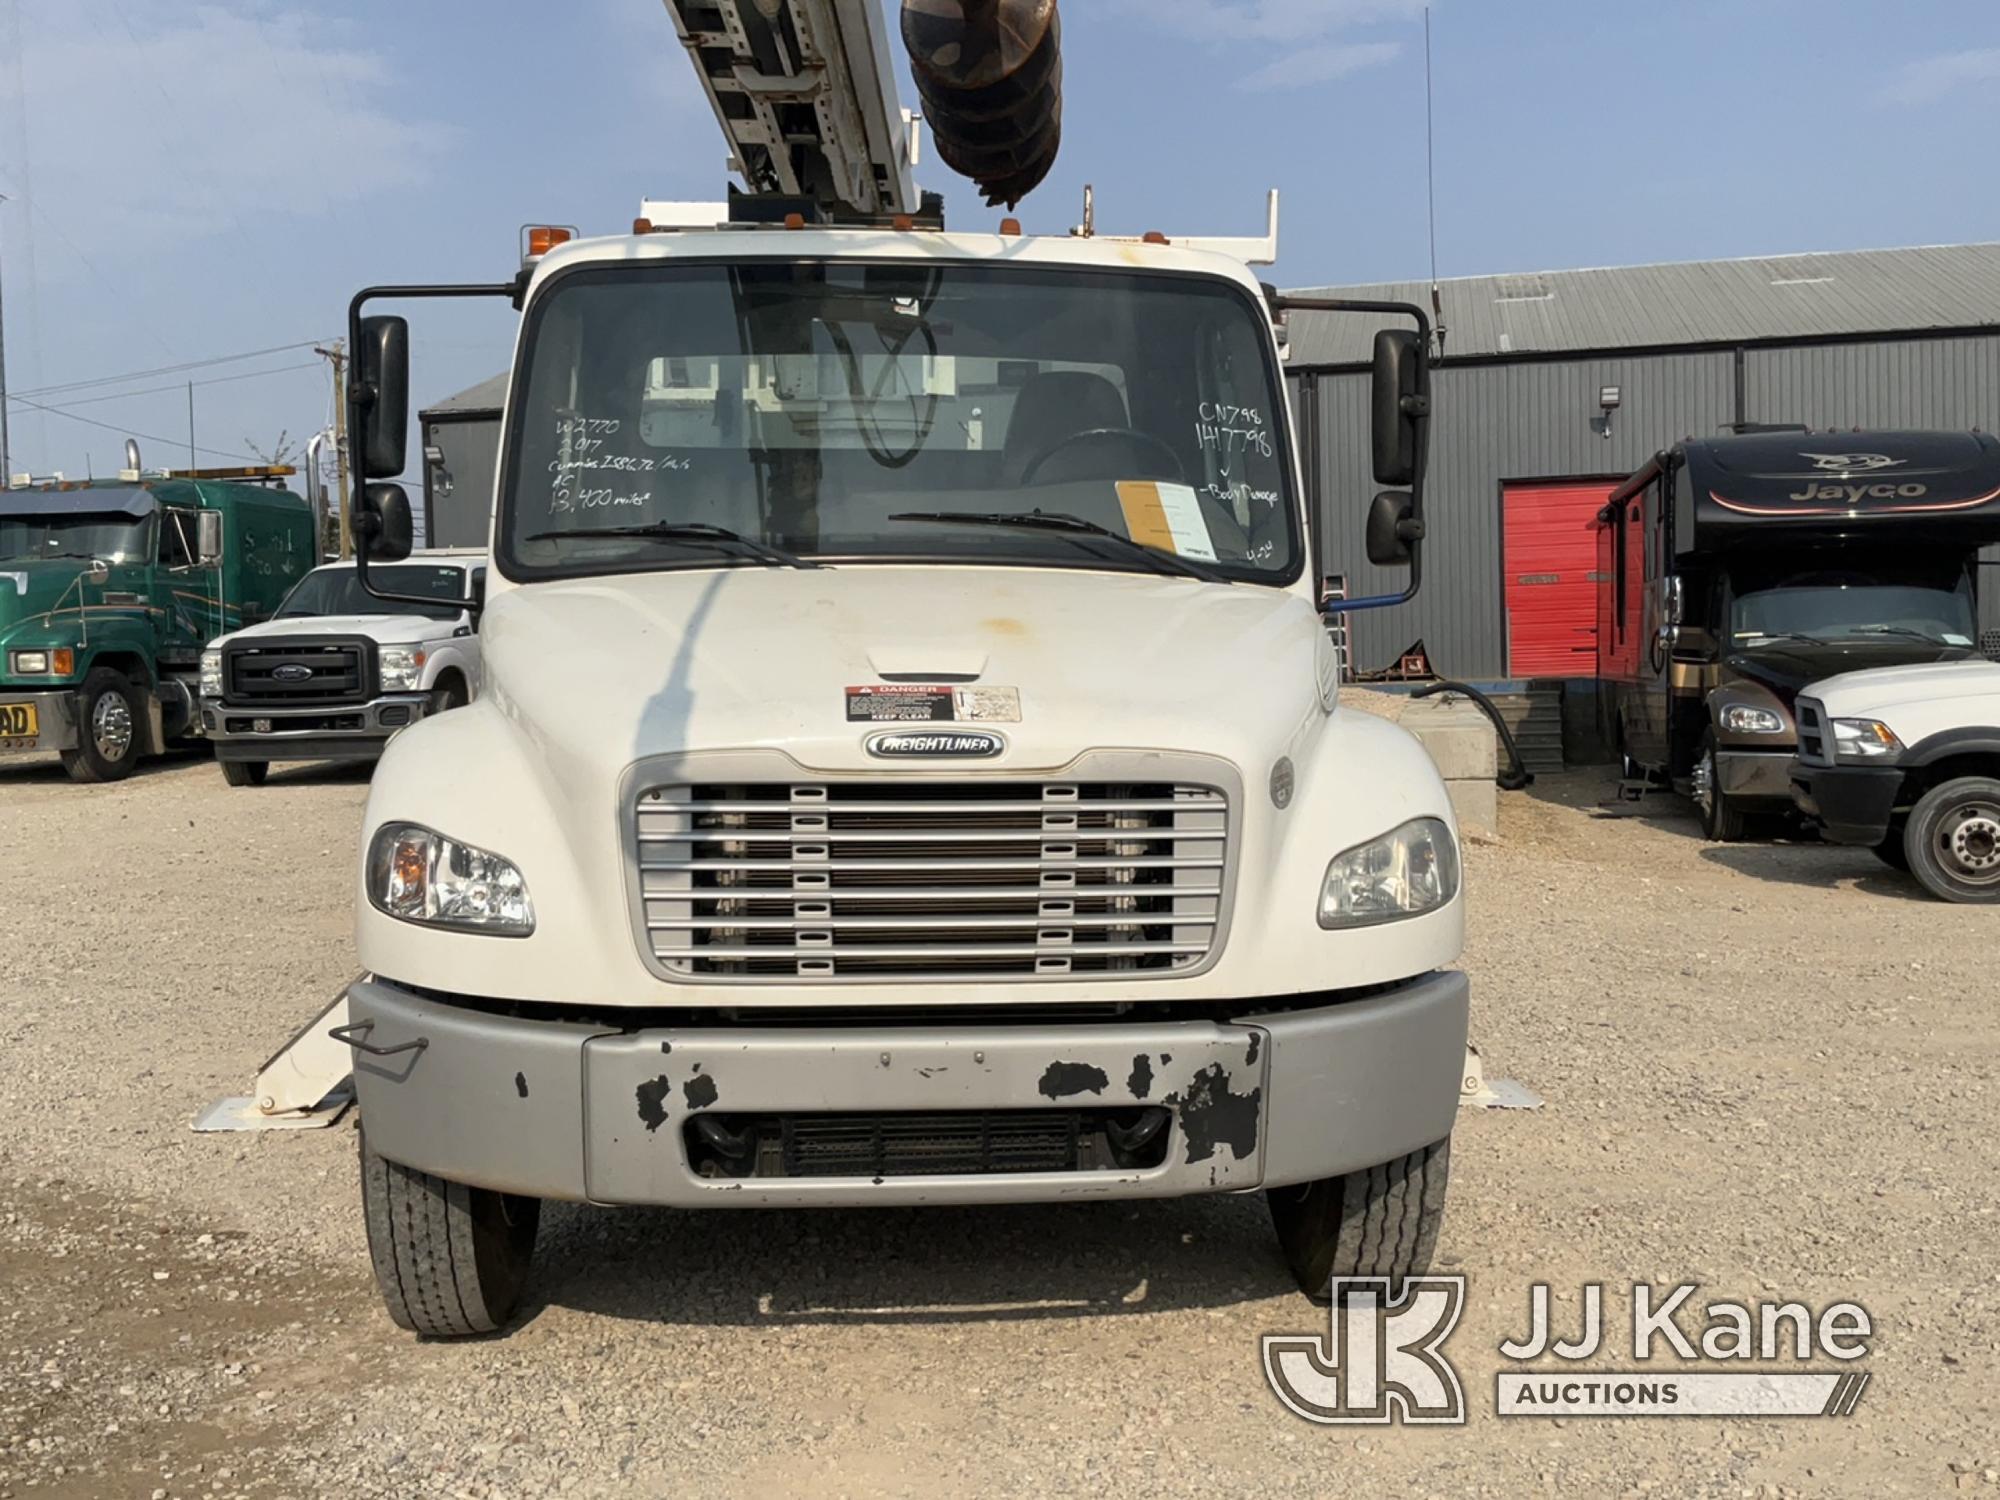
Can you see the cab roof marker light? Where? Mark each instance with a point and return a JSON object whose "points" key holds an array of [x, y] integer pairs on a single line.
{"points": [[538, 240]]}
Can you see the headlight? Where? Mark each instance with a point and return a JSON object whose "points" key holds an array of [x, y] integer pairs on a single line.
{"points": [[427, 878], [1402, 874], [60, 662], [1864, 739], [402, 668], [211, 674], [1742, 718]]}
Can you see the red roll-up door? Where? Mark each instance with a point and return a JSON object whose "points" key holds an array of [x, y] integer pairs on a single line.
{"points": [[1551, 560]]}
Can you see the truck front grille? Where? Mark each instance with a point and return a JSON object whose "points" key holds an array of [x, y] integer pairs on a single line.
{"points": [[298, 672], [1813, 747], [893, 880]]}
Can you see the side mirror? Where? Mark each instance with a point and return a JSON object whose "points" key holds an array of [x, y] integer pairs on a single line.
{"points": [[1399, 405], [1393, 530], [382, 526], [208, 537], [1673, 600], [382, 374]]}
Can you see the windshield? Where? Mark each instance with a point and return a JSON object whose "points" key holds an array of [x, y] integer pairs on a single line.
{"points": [[338, 591], [807, 407], [1850, 611], [112, 538]]}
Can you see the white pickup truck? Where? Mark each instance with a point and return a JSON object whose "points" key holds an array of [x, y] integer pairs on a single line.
{"points": [[1906, 761], [335, 674]]}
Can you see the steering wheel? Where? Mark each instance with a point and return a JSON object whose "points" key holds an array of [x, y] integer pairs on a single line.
{"points": [[1098, 434]]}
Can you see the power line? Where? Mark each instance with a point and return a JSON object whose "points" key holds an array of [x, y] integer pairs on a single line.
{"points": [[196, 364], [150, 437], [156, 390]]}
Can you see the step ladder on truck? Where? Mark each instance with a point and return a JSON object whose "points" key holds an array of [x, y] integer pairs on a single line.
{"points": [[911, 763]]}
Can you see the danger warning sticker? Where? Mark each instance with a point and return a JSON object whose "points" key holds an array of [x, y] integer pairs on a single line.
{"points": [[903, 703]]}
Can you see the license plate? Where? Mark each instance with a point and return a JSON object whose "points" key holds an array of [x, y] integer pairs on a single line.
{"points": [[19, 721]]}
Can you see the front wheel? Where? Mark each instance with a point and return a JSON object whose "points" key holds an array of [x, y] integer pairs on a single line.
{"points": [[107, 729], [1381, 1221], [1953, 840], [450, 1260], [1721, 819], [245, 772]]}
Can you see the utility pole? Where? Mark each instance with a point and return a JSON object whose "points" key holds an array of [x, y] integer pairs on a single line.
{"points": [[337, 357], [5, 472], [193, 462]]}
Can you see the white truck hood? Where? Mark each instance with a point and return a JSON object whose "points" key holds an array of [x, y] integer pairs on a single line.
{"points": [[1880, 692], [602, 672], [384, 630]]}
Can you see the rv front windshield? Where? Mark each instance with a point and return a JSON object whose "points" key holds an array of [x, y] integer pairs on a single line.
{"points": [[23, 538], [809, 406], [1856, 609]]}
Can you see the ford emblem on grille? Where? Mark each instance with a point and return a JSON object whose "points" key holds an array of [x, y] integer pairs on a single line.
{"points": [[923, 744], [292, 671]]}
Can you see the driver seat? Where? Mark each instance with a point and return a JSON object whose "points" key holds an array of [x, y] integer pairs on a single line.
{"points": [[1055, 406]]}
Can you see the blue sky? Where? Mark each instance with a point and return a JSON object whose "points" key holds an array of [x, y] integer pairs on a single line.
{"points": [[194, 180]]}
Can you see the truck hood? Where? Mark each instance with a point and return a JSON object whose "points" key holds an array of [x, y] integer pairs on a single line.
{"points": [[31, 588], [1788, 668], [603, 672], [1858, 695], [385, 630]]}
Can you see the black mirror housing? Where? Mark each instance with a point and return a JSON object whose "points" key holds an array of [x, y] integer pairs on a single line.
{"points": [[383, 529], [1393, 530], [382, 380], [1397, 399]]}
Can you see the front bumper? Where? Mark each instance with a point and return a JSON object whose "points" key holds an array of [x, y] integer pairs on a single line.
{"points": [[1755, 776], [561, 1109], [1851, 804], [56, 722], [355, 731]]}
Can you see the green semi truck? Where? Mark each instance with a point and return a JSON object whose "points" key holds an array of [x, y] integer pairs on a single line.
{"points": [[110, 589]]}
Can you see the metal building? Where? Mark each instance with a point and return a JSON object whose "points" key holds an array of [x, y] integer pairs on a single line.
{"points": [[461, 455], [1555, 385]]}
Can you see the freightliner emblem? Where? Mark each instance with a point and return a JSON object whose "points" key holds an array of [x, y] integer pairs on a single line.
{"points": [[926, 744]]}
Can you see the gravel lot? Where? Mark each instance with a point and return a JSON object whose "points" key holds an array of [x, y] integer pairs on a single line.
{"points": [[1770, 1069]]}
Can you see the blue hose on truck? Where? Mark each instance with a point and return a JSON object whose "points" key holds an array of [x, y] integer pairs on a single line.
{"points": [[1516, 777]]}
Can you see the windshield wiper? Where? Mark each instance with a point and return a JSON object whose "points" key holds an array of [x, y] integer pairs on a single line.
{"points": [[1060, 522], [684, 531], [1901, 630], [1788, 635]]}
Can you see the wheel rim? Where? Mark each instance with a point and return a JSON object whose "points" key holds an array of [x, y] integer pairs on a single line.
{"points": [[1704, 784], [111, 726], [1968, 842]]}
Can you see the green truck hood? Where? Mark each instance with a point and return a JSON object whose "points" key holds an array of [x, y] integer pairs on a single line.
{"points": [[33, 590]]}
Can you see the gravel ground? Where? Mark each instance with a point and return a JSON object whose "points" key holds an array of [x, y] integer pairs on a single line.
{"points": [[1770, 1069]]}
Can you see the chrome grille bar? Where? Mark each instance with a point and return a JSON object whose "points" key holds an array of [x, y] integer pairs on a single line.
{"points": [[927, 879]]}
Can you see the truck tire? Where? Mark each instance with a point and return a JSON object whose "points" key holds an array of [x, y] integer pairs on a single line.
{"points": [[450, 1260], [107, 729], [1381, 1221], [245, 772], [1721, 819], [1953, 840], [448, 695]]}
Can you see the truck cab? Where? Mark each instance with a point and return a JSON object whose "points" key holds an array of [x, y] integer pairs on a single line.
{"points": [[336, 673], [108, 591], [1734, 571], [910, 768]]}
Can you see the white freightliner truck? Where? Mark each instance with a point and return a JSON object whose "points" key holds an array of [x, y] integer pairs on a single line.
{"points": [[909, 769]]}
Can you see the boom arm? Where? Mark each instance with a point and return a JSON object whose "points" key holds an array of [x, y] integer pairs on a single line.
{"points": [[805, 93]]}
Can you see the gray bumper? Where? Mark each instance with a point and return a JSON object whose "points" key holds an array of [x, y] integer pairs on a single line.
{"points": [[558, 1109], [1756, 775], [355, 731], [55, 715]]}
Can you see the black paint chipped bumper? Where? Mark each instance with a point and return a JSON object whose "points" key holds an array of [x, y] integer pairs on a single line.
{"points": [[563, 1110]]}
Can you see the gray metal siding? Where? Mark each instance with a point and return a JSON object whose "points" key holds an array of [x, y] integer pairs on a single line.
{"points": [[460, 488], [1495, 423], [1939, 383]]}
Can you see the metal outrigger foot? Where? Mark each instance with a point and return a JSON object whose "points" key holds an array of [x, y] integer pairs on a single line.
{"points": [[305, 1086], [1477, 1091]]}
